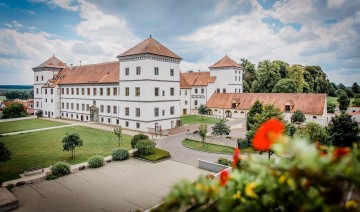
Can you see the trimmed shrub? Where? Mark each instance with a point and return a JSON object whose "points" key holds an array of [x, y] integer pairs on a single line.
{"points": [[96, 161], [137, 138], [224, 161], [39, 113], [51, 177], [145, 147], [157, 155], [60, 168], [120, 154], [243, 143]]}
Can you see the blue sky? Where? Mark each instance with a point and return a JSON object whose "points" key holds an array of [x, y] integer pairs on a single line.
{"points": [[308, 32]]}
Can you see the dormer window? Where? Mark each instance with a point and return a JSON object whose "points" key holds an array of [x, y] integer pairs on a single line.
{"points": [[289, 106]]}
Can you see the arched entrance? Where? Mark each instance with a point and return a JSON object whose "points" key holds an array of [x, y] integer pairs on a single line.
{"points": [[210, 112], [82, 118], [228, 114]]}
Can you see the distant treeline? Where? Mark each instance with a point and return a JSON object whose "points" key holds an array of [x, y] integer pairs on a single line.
{"points": [[25, 87], [18, 94]]}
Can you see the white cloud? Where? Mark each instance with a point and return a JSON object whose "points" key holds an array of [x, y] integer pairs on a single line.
{"points": [[335, 3], [64, 4]]}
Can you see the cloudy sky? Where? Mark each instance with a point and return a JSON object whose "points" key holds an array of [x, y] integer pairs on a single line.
{"points": [[307, 32]]}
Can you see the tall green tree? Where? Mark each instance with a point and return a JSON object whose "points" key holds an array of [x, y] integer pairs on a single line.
{"points": [[298, 116], [355, 88], [317, 80], [268, 112], [202, 132], [5, 154], [267, 76], [341, 86], [343, 130], [255, 109], [344, 102], [202, 110], [356, 102], [70, 142], [315, 133], [118, 133], [248, 75], [15, 110], [331, 107], [296, 72], [283, 68], [285, 86], [220, 129]]}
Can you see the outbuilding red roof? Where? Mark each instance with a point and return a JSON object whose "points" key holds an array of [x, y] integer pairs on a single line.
{"points": [[307, 103], [52, 62], [196, 78], [225, 62]]}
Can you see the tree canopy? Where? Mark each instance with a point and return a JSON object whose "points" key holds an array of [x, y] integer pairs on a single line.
{"points": [[14, 110], [220, 129], [118, 133], [344, 102], [355, 88], [202, 110], [285, 86], [70, 142], [255, 109], [343, 130], [202, 132], [298, 116]]}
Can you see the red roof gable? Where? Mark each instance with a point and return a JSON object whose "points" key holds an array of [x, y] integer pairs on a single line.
{"points": [[225, 62]]}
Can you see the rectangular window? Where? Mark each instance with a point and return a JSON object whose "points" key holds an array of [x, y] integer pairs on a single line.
{"points": [[224, 90], [185, 102], [88, 91], [67, 105], [235, 78], [72, 106], [127, 111], [72, 91], [137, 125], [196, 90], [77, 106], [62, 105], [195, 102], [202, 90], [77, 91], [101, 91], [218, 90], [156, 112], [185, 92], [127, 71], [163, 93], [94, 91], [172, 110], [115, 91], [37, 104], [108, 91], [45, 91], [82, 91], [37, 90], [126, 124], [127, 91], [108, 109], [114, 109], [156, 91], [51, 100], [67, 91], [138, 70], [156, 71], [62, 91], [171, 72], [163, 112], [109, 120], [101, 108], [51, 91], [137, 112], [83, 107], [37, 78], [137, 91], [42, 78], [87, 107], [172, 91]]}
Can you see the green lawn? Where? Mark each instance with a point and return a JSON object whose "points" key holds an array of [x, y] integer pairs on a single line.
{"points": [[2, 97], [197, 145], [334, 100], [196, 119], [44, 148], [29, 124]]}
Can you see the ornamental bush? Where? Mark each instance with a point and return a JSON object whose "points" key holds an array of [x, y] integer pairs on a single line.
{"points": [[51, 177], [224, 161], [145, 147], [120, 154], [96, 161], [60, 168], [137, 138]]}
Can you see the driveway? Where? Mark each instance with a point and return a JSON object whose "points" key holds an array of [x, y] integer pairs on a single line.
{"points": [[118, 186]]}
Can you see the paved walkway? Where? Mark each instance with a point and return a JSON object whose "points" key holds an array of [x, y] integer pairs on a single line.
{"points": [[17, 119], [41, 129], [118, 186]]}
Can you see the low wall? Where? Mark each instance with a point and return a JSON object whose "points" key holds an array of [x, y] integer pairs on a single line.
{"points": [[214, 140], [213, 167]]}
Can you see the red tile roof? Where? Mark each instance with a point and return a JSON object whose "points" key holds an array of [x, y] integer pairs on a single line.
{"points": [[52, 62], [150, 46], [94, 73], [183, 82], [225, 62], [197, 78], [307, 103]]}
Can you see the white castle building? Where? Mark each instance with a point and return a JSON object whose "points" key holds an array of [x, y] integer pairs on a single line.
{"points": [[142, 91]]}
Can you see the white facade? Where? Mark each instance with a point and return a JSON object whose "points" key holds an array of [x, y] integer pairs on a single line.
{"points": [[228, 79]]}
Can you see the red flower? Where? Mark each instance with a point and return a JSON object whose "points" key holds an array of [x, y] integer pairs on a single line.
{"points": [[224, 177], [236, 157], [267, 133], [339, 152]]}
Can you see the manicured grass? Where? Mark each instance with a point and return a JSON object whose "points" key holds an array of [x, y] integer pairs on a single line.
{"points": [[196, 145], [159, 154], [44, 148], [196, 119], [334, 100], [28, 124]]}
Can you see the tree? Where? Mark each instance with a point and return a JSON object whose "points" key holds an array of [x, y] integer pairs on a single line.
{"points": [[202, 132], [343, 130], [344, 102], [39, 113], [220, 128], [14, 110], [138, 137], [248, 74], [349, 93], [285, 86], [5, 154], [296, 72], [331, 107], [267, 76], [317, 80], [341, 86], [355, 88], [298, 116], [255, 109], [202, 110], [283, 68], [70, 141], [118, 133], [269, 111], [340, 92], [356, 102], [315, 133]]}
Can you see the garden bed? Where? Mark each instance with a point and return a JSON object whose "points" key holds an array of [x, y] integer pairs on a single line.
{"points": [[157, 156], [213, 148]]}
